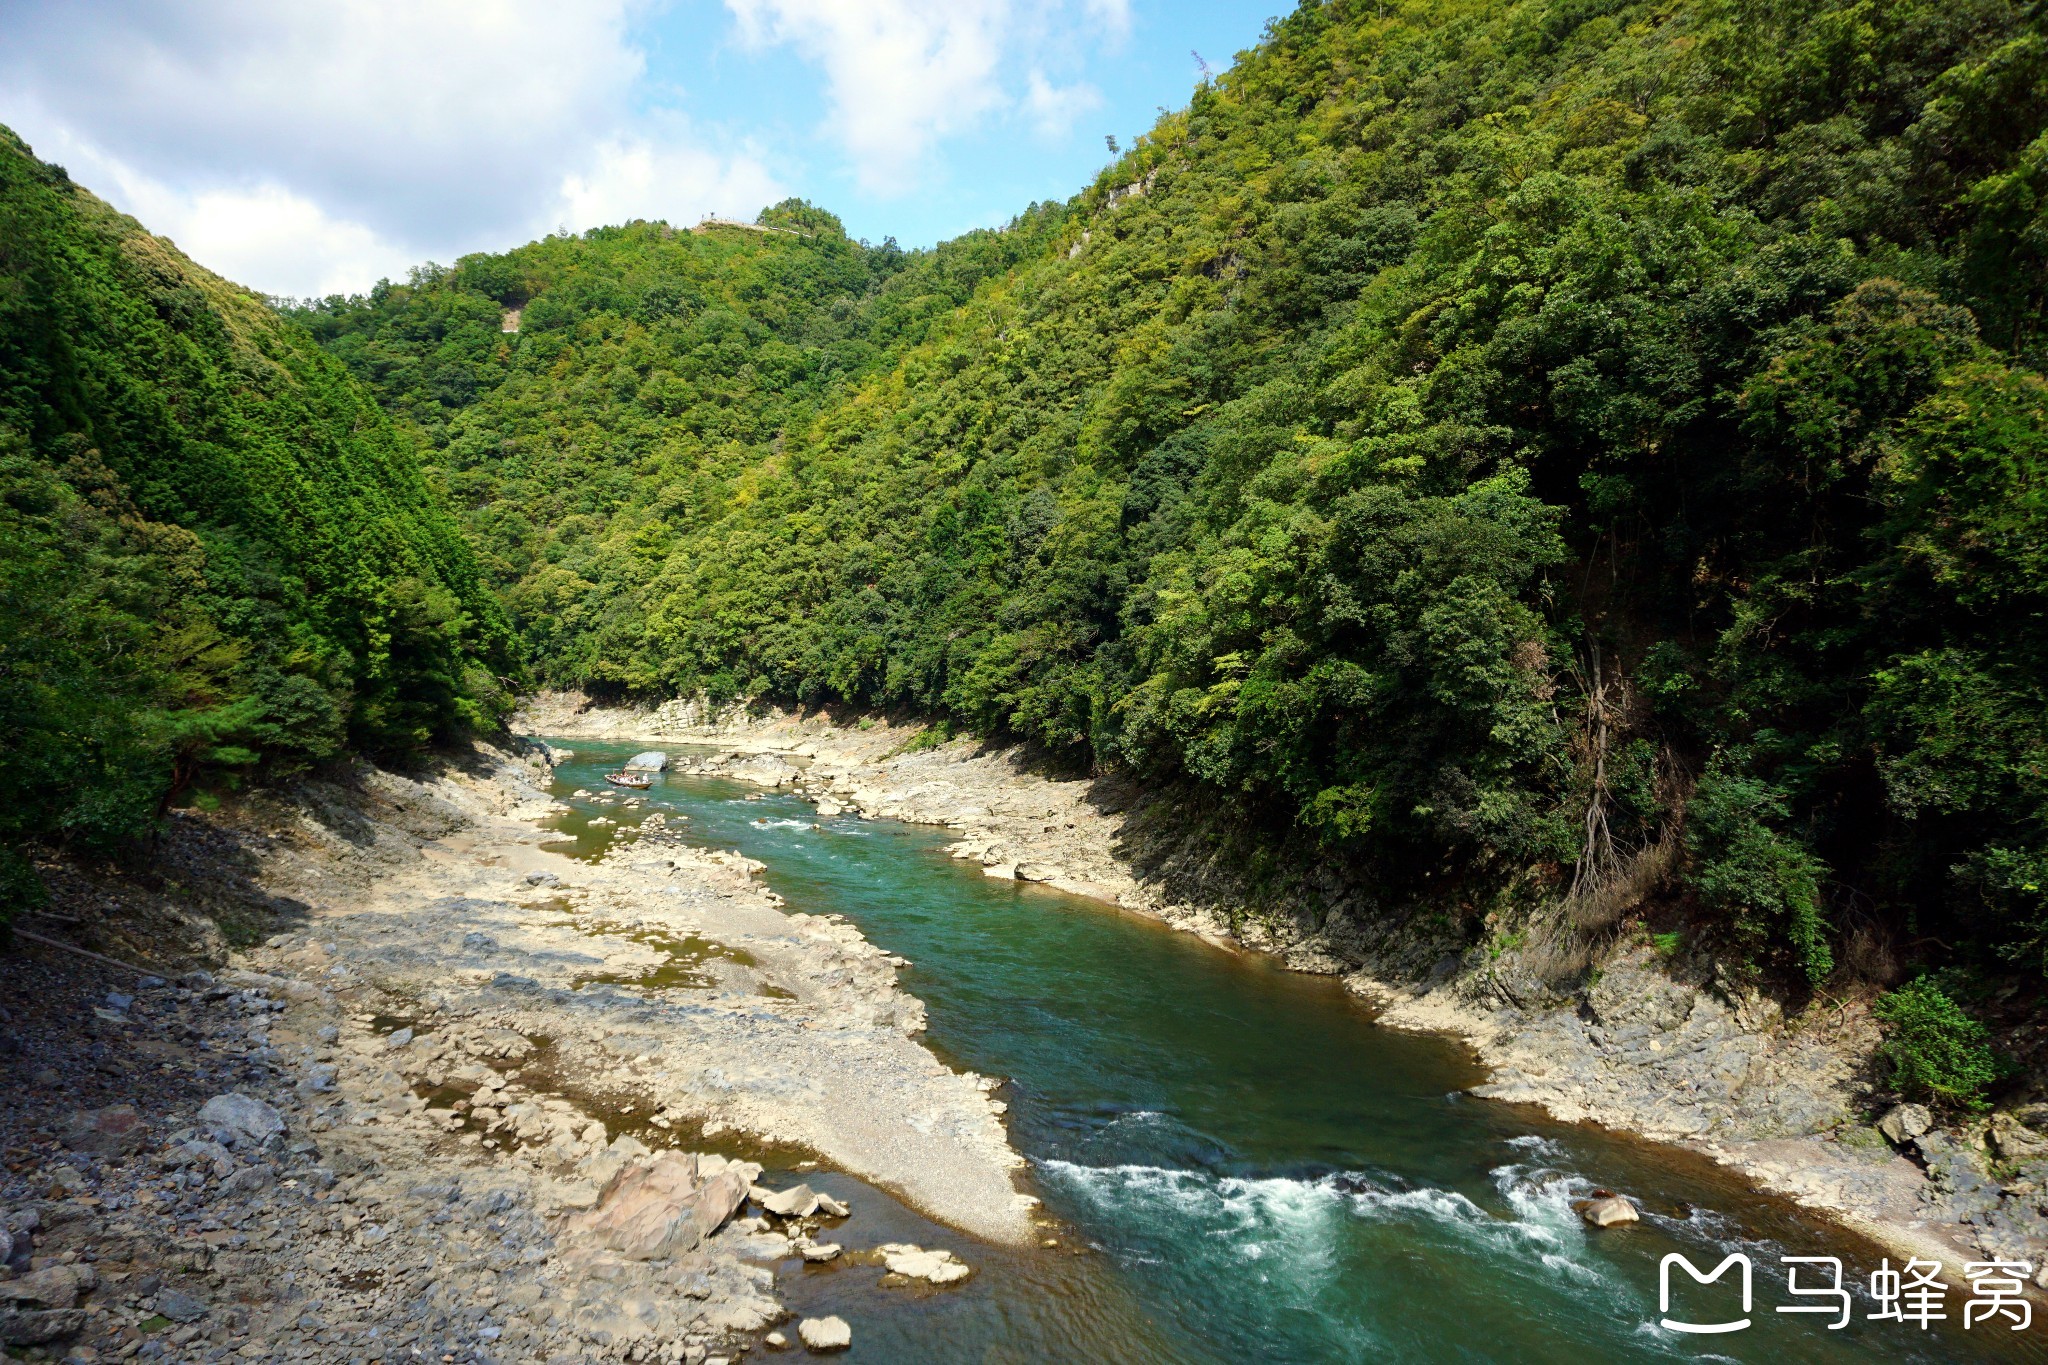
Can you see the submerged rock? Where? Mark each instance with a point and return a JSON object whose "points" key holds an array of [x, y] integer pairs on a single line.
{"points": [[914, 1262]]}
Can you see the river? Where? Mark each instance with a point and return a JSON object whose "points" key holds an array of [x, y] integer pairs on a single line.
{"points": [[1238, 1164]]}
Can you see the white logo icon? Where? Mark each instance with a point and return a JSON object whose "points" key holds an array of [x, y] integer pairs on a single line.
{"points": [[1735, 1258]]}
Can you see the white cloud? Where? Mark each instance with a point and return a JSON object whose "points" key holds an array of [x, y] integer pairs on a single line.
{"points": [[1054, 108], [272, 239], [314, 145], [1113, 17], [637, 179], [901, 74], [306, 147], [260, 232], [413, 113]]}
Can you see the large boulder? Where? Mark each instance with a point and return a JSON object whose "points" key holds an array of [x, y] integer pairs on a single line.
{"points": [[765, 770], [660, 1207], [653, 761], [240, 1120], [37, 1328], [57, 1286]]}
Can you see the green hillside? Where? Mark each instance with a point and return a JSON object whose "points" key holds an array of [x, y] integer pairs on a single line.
{"points": [[218, 557], [1560, 454]]}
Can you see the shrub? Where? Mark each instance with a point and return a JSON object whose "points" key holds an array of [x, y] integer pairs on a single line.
{"points": [[1767, 881], [1935, 1051]]}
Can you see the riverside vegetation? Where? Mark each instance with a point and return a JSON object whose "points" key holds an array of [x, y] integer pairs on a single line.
{"points": [[1571, 467]]}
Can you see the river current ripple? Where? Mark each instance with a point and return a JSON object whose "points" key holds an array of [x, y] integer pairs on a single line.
{"points": [[1238, 1164]]}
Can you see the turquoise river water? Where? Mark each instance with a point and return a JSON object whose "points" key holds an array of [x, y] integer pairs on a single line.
{"points": [[1240, 1164]]}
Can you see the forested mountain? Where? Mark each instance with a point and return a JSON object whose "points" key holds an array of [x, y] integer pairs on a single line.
{"points": [[218, 557], [1564, 454]]}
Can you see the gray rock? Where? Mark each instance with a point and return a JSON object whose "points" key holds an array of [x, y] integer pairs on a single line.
{"points": [[57, 1286], [2016, 1141], [798, 1201], [34, 1329], [660, 1207], [239, 1120], [398, 1038], [179, 1306], [249, 1180], [117, 1001], [116, 1130], [1036, 872], [1608, 1210], [1958, 1184], [652, 761], [825, 1334], [542, 879], [1905, 1122]]}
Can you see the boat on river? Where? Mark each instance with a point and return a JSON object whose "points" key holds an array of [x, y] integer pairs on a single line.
{"points": [[634, 780]]}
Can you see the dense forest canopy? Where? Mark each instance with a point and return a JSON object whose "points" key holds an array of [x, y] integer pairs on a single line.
{"points": [[1564, 450], [1556, 458], [218, 556]]}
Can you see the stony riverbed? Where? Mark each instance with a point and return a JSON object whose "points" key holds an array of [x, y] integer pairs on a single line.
{"points": [[1717, 1067], [449, 1109]]}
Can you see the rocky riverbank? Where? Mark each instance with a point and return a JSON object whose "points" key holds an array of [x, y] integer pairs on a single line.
{"points": [[1699, 1062], [451, 1105]]}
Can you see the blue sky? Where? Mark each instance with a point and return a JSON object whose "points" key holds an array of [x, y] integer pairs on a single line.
{"points": [[313, 148], [1119, 72]]}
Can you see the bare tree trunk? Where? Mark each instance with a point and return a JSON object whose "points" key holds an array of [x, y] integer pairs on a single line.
{"points": [[1599, 865]]}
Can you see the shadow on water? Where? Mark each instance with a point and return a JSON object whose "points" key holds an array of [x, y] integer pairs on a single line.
{"points": [[1235, 1161]]}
